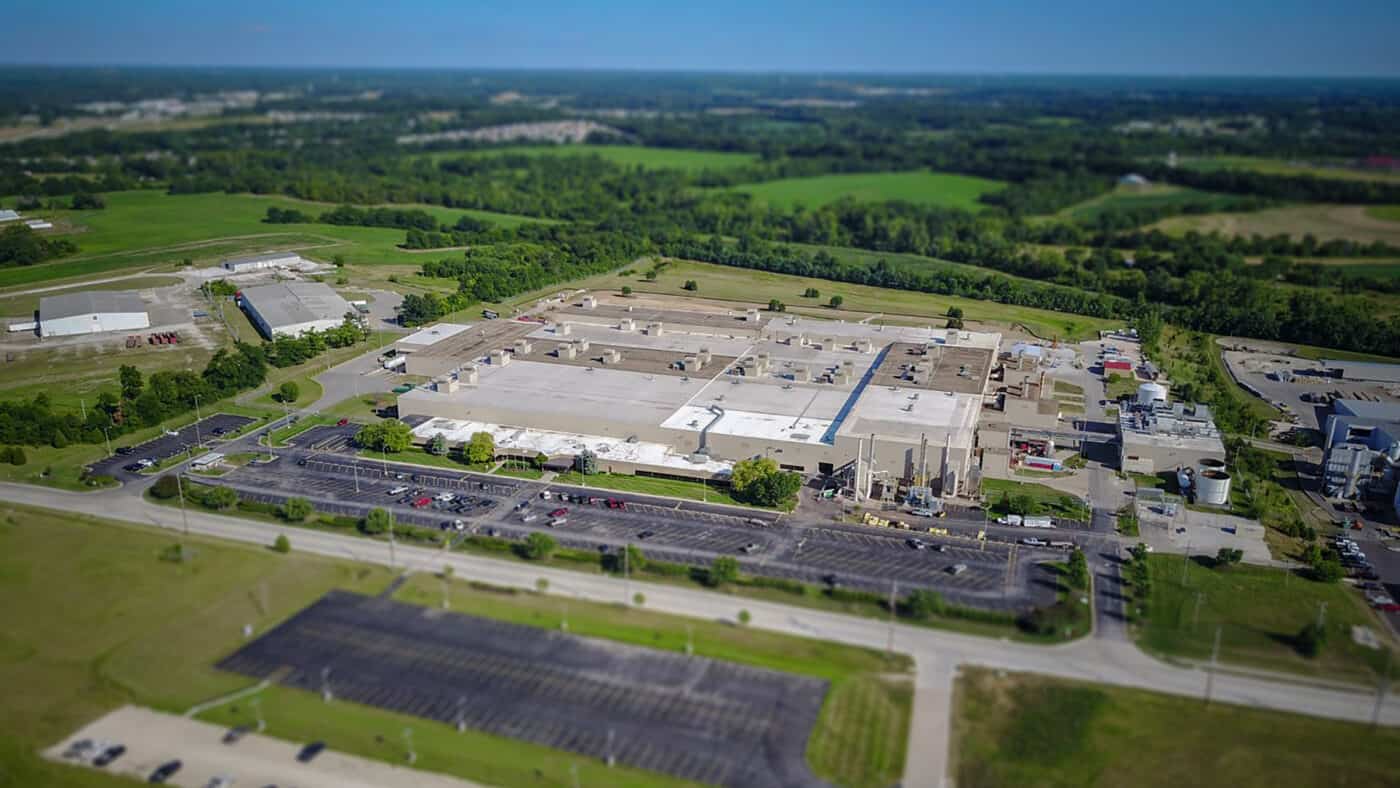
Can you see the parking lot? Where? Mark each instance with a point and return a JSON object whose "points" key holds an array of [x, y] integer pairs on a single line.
{"points": [[152, 739], [691, 717], [165, 446], [764, 544]]}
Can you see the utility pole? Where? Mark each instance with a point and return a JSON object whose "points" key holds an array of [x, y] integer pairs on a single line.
{"points": [[894, 592], [626, 575], [391, 540], [256, 703], [1214, 656], [1196, 618], [197, 418], [1381, 689], [689, 640], [107, 436], [408, 742], [326, 694], [611, 758], [82, 405], [1321, 614], [461, 713], [184, 515], [1185, 559], [355, 469]]}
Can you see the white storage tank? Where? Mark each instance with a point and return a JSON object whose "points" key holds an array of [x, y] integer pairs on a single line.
{"points": [[1148, 393], [1212, 484]]}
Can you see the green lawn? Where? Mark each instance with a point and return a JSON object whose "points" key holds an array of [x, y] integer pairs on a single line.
{"points": [[627, 155], [160, 627], [106, 622], [921, 187], [1284, 167], [860, 301], [417, 455], [650, 485], [1014, 730], [309, 392], [26, 304], [1387, 213], [149, 229], [1045, 500], [1260, 610]]}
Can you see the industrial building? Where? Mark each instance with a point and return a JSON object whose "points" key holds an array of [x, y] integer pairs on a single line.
{"points": [[92, 312], [7, 215], [293, 308], [1157, 435], [686, 394], [238, 265], [1361, 450]]}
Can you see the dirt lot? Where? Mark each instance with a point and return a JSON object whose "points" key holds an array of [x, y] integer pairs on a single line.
{"points": [[1326, 222]]}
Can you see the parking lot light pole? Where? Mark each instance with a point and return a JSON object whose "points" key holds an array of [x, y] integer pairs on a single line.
{"points": [[184, 515], [461, 713], [894, 592], [197, 419], [257, 709], [108, 437], [326, 694], [408, 742]]}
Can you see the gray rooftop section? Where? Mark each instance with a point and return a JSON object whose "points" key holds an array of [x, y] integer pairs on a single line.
{"points": [[1370, 411], [56, 307], [292, 303], [1364, 370]]}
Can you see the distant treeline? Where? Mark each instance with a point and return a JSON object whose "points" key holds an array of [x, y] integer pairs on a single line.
{"points": [[20, 246]]}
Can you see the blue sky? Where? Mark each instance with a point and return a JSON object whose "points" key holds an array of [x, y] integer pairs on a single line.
{"points": [[1176, 37]]}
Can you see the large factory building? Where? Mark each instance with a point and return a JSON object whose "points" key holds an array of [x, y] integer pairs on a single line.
{"points": [[92, 312], [686, 394]]}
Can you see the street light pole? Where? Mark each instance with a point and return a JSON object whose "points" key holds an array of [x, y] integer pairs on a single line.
{"points": [[197, 418], [1214, 655], [108, 437], [184, 515]]}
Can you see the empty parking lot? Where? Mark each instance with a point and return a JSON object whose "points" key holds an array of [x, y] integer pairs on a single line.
{"points": [[695, 718]]}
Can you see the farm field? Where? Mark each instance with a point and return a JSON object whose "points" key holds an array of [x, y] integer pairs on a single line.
{"points": [[1386, 213], [859, 301], [1127, 198], [1285, 167], [1325, 222], [1018, 730], [626, 155], [921, 187], [154, 229]]}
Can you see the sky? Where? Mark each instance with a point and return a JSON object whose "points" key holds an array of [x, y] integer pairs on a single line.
{"points": [[1160, 37]]}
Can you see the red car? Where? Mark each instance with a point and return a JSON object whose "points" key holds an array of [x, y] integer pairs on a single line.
{"points": [[560, 512], [421, 502], [342, 422], [616, 503]]}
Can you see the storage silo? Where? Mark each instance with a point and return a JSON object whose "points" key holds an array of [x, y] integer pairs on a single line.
{"points": [[1150, 393], [1213, 483]]}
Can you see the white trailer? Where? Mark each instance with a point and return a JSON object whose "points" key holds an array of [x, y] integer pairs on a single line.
{"points": [[1038, 522]]}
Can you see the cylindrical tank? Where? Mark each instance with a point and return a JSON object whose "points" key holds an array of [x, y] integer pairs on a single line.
{"points": [[1213, 487], [1212, 464], [1149, 393]]}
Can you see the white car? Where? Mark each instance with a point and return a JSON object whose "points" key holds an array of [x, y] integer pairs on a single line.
{"points": [[1031, 541], [529, 518], [446, 497], [957, 569], [400, 490]]}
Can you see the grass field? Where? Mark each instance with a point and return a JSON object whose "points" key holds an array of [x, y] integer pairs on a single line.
{"points": [[1325, 222], [1284, 167], [1127, 198], [860, 301], [1045, 500], [920, 187], [626, 155], [160, 626], [1260, 611], [1014, 730], [1386, 213], [648, 485], [153, 230]]}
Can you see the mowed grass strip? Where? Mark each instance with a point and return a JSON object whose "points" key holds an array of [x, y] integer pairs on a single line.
{"points": [[1014, 730], [921, 187], [862, 735], [1260, 611]]}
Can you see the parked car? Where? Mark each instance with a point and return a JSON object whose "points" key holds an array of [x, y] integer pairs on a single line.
{"points": [[1031, 541], [555, 522], [81, 750], [342, 422], [310, 751], [646, 534], [219, 782], [125, 450], [917, 544], [422, 502], [134, 467], [957, 569], [751, 547], [399, 490], [164, 772], [529, 518], [616, 503], [235, 733], [108, 755], [921, 512], [560, 512]]}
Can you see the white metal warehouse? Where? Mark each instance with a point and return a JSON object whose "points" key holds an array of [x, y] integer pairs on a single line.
{"points": [[92, 312], [293, 308], [261, 261]]}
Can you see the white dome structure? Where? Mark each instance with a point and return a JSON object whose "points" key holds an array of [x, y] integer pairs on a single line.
{"points": [[1151, 393]]}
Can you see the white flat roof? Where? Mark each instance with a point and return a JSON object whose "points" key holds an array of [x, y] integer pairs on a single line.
{"points": [[907, 413], [750, 424], [882, 335], [526, 440], [430, 335], [672, 340]]}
